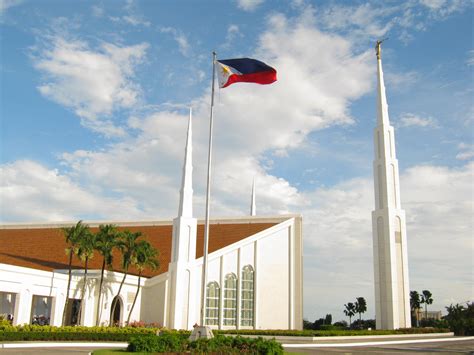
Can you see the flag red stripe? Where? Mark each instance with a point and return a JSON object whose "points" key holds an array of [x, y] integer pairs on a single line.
{"points": [[266, 77]]}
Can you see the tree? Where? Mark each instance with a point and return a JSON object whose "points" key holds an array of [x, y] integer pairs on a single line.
{"points": [[127, 244], [350, 311], [461, 319], [415, 304], [146, 256], [106, 239], [426, 299], [73, 235], [85, 253], [328, 319], [360, 306]]}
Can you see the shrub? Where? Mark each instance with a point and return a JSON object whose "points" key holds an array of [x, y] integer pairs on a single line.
{"points": [[144, 343], [177, 342]]}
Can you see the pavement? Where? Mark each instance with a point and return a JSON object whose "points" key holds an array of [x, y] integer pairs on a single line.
{"points": [[373, 345]]}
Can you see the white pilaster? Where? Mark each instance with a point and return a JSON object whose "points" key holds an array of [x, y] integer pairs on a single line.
{"points": [[183, 247], [388, 223]]}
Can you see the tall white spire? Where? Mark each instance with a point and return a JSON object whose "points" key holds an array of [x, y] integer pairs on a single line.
{"points": [[253, 208], [186, 193], [181, 290], [382, 106], [388, 222]]}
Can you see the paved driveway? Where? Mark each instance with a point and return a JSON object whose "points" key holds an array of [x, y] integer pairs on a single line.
{"points": [[447, 347]]}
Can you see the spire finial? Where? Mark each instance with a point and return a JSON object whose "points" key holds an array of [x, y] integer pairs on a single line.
{"points": [[186, 198], [253, 208], [378, 47]]}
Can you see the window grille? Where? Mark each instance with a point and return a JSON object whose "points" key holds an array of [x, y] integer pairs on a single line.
{"points": [[247, 299]]}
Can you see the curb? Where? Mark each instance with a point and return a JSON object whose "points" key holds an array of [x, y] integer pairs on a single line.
{"points": [[345, 337], [374, 343], [45, 344]]}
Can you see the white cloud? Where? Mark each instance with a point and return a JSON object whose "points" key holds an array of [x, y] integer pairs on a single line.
{"points": [[470, 59], [466, 151], [400, 81], [180, 38], [410, 120], [131, 19], [6, 4], [32, 192], [91, 83], [373, 20], [338, 239], [97, 11], [249, 5], [443, 8], [366, 20]]}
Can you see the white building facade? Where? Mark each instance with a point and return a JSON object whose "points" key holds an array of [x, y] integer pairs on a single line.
{"points": [[392, 299], [255, 275]]}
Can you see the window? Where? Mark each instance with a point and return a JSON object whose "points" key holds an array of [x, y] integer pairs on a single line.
{"points": [[41, 310], [230, 300], [212, 303], [247, 303], [7, 305]]}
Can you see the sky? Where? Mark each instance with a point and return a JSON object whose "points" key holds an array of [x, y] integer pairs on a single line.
{"points": [[95, 98]]}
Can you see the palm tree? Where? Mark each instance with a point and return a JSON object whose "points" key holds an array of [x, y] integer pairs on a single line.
{"points": [[106, 239], [426, 299], [415, 304], [146, 256], [127, 244], [360, 307], [73, 235], [85, 253], [350, 311]]}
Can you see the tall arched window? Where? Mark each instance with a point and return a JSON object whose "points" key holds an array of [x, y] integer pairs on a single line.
{"points": [[230, 300], [247, 303], [212, 303]]}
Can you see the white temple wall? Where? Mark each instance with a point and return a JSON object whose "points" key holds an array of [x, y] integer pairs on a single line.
{"points": [[26, 283], [153, 300], [273, 279], [276, 257]]}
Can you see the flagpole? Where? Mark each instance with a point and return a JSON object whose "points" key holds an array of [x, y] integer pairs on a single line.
{"points": [[208, 197]]}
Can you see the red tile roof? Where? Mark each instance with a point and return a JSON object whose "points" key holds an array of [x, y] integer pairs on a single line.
{"points": [[44, 248]]}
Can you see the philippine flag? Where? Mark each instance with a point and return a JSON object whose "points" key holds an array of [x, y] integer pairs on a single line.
{"points": [[245, 70]]}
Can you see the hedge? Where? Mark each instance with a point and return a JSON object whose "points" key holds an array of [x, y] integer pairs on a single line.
{"points": [[65, 336], [178, 343], [323, 333]]}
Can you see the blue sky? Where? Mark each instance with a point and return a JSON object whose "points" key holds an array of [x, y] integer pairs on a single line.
{"points": [[94, 100]]}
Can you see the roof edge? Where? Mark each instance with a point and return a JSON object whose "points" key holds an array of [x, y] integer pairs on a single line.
{"points": [[149, 223]]}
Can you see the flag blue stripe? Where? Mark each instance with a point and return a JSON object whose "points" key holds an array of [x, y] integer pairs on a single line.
{"points": [[247, 65]]}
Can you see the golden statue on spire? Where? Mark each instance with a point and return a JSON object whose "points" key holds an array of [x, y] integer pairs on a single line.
{"points": [[378, 48]]}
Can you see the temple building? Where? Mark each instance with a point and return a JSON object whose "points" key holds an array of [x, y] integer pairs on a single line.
{"points": [[254, 278], [251, 259]]}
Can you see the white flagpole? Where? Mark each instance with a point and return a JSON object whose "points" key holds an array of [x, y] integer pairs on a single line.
{"points": [[208, 197]]}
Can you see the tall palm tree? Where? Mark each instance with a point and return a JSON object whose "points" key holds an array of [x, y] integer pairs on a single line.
{"points": [[360, 307], [85, 253], [415, 304], [350, 311], [426, 298], [146, 256], [127, 244], [73, 235], [106, 239]]}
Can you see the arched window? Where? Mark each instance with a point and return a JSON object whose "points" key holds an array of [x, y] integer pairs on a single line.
{"points": [[230, 300], [212, 303], [247, 303]]}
